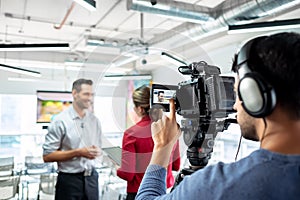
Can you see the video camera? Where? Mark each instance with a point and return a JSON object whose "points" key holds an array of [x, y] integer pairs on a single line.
{"points": [[206, 93], [204, 102]]}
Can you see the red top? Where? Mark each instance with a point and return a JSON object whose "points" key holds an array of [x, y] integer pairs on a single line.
{"points": [[137, 147]]}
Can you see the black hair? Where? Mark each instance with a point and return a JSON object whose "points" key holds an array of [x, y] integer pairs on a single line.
{"points": [[77, 84], [277, 59], [159, 92]]}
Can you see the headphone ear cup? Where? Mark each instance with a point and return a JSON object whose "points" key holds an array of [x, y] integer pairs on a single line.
{"points": [[258, 98]]}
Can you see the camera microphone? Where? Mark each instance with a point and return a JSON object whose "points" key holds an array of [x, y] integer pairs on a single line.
{"points": [[82, 125], [186, 70]]}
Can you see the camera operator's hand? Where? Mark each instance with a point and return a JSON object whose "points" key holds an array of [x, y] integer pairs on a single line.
{"points": [[165, 133]]}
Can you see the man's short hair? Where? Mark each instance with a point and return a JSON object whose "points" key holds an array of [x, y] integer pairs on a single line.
{"points": [[77, 84], [160, 92], [276, 59]]}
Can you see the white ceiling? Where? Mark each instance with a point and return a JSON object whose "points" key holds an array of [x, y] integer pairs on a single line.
{"points": [[38, 21]]}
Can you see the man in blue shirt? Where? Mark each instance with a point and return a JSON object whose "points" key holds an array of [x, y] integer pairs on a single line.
{"points": [[74, 141], [268, 111]]}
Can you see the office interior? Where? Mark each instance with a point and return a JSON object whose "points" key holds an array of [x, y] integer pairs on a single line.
{"points": [[120, 45]]}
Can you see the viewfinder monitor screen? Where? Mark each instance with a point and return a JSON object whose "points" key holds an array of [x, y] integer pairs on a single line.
{"points": [[161, 94], [51, 103]]}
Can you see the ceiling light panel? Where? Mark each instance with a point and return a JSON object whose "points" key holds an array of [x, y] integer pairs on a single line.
{"points": [[265, 26], [19, 70], [35, 47]]}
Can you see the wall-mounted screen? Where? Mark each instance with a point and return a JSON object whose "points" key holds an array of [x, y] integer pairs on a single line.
{"points": [[50, 103]]}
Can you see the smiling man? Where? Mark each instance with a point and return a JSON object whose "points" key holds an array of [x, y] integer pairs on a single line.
{"points": [[74, 141]]}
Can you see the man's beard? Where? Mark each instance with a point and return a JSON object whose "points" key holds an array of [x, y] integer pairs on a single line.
{"points": [[83, 105], [247, 124]]}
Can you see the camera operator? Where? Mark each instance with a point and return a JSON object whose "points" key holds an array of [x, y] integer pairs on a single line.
{"points": [[268, 111]]}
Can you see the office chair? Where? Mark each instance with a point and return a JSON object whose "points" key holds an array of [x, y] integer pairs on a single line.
{"points": [[34, 168], [6, 166], [47, 184], [9, 186], [9, 179]]}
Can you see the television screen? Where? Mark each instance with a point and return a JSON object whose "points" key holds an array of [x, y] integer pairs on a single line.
{"points": [[50, 103]]}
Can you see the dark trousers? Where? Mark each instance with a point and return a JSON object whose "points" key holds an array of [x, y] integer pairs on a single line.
{"points": [[77, 186], [131, 196]]}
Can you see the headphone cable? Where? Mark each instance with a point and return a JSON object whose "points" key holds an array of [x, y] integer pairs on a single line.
{"points": [[239, 146], [264, 133], [263, 136]]}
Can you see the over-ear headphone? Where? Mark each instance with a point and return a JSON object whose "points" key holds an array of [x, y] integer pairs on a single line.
{"points": [[258, 97]]}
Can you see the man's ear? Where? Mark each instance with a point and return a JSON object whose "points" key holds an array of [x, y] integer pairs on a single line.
{"points": [[74, 92]]}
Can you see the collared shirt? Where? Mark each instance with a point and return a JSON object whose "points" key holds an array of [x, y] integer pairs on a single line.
{"points": [[69, 131]]}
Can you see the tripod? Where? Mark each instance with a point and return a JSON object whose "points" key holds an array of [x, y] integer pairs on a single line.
{"points": [[200, 144]]}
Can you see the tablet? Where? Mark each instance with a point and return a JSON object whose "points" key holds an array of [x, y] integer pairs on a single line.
{"points": [[114, 153]]}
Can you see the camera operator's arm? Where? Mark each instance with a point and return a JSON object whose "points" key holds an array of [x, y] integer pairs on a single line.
{"points": [[165, 133]]}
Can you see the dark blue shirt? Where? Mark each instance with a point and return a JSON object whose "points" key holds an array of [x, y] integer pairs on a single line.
{"points": [[261, 175]]}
